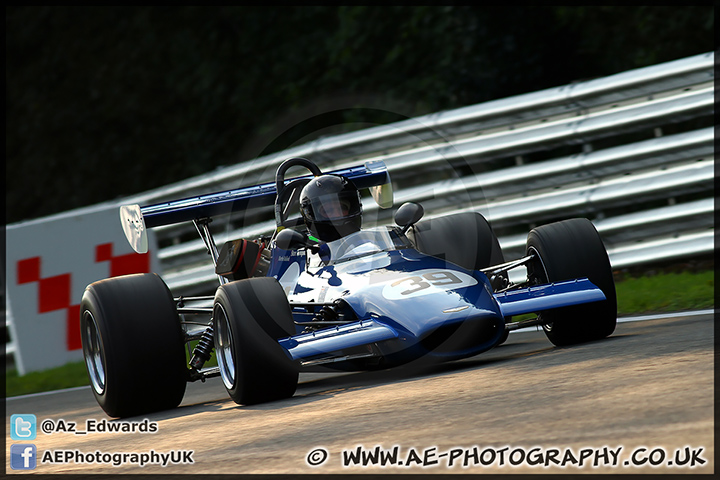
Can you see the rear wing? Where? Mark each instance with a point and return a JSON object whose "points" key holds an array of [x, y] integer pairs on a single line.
{"points": [[136, 220]]}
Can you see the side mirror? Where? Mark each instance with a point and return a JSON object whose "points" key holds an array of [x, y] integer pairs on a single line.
{"points": [[408, 215], [289, 239]]}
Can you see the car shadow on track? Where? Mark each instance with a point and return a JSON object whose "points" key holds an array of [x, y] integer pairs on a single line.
{"points": [[314, 387], [511, 352]]}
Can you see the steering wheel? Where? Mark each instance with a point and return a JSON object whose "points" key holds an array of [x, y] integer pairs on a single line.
{"points": [[289, 194]]}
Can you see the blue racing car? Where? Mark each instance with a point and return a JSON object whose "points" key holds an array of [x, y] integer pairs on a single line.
{"points": [[321, 291]]}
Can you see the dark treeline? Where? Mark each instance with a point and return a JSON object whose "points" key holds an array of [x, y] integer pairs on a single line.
{"points": [[109, 101]]}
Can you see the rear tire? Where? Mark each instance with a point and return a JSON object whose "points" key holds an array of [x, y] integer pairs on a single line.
{"points": [[564, 251], [249, 316], [133, 345], [464, 239]]}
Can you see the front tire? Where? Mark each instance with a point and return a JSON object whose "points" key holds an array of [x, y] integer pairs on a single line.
{"points": [[249, 316], [564, 251], [133, 345]]}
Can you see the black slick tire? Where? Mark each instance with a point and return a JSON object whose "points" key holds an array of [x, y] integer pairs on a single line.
{"points": [[464, 239], [133, 345], [567, 250], [249, 316]]}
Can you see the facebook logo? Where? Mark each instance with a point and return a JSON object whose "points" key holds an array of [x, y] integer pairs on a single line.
{"points": [[23, 427], [23, 457]]}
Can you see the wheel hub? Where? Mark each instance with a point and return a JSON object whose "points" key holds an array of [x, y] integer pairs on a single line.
{"points": [[92, 350], [224, 347]]}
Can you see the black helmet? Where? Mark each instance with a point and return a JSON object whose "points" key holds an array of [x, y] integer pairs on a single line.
{"points": [[331, 208]]}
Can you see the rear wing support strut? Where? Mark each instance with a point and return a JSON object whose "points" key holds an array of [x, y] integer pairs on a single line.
{"points": [[201, 225]]}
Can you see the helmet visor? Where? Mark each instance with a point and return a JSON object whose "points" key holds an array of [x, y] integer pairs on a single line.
{"points": [[335, 206]]}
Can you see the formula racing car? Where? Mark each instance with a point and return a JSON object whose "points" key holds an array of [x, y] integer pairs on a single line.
{"points": [[320, 291]]}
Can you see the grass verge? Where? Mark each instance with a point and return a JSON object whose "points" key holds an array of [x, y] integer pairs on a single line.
{"points": [[664, 292], [67, 376], [667, 292]]}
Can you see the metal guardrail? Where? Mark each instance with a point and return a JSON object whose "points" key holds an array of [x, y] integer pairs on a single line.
{"points": [[565, 102], [621, 187]]}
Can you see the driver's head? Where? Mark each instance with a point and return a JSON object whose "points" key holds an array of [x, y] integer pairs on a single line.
{"points": [[331, 208]]}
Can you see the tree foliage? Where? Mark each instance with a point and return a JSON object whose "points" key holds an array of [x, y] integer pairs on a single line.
{"points": [[103, 102]]}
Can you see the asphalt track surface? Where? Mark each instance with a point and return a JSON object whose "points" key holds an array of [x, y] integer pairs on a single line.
{"points": [[644, 396]]}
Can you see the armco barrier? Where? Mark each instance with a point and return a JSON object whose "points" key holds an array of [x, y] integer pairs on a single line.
{"points": [[634, 152]]}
